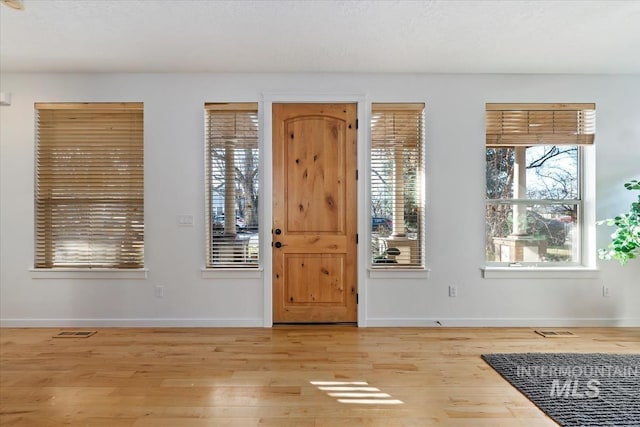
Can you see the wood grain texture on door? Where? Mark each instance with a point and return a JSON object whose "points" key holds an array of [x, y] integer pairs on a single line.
{"points": [[314, 213]]}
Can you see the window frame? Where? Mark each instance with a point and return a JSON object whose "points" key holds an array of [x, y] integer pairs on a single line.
{"points": [[578, 202], [412, 269], [57, 129], [249, 268], [582, 138]]}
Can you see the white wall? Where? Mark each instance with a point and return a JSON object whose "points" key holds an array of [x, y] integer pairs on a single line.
{"points": [[455, 194]]}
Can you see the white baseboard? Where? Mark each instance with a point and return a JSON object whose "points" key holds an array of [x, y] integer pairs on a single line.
{"points": [[132, 323], [370, 322], [503, 322]]}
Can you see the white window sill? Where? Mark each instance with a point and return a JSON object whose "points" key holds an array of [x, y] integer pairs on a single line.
{"points": [[399, 273], [540, 273], [86, 273], [232, 273]]}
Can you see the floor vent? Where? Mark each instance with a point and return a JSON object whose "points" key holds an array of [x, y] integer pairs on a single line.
{"points": [[556, 334], [74, 334]]}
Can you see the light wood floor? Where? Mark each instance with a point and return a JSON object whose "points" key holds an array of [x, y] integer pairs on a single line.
{"points": [[272, 377]]}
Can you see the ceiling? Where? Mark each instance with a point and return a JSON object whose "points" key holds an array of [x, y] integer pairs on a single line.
{"points": [[437, 36]]}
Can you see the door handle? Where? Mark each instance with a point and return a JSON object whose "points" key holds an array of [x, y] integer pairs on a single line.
{"points": [[277, 245], [278, 231]]}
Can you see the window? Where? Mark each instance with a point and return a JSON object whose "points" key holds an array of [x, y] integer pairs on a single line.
{"points": [[231, 169], [397, 185], [89, 185], [534, 173]]}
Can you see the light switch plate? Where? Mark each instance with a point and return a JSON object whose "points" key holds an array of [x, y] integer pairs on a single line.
{"points": [[185, 220]]}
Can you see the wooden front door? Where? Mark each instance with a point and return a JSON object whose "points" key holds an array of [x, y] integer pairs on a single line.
{"points": [[314, 213]]}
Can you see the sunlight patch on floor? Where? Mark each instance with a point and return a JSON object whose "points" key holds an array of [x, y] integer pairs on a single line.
{"points": [[356, 392]]}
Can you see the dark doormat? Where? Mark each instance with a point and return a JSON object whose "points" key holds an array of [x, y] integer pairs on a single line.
{"points": [[576, 389]]}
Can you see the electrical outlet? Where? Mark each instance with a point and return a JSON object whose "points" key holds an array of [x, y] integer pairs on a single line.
{"points": [[606, 292], [159, 291], [453, 291]]}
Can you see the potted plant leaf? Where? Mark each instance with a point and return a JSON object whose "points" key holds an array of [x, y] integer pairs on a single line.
{"points": [[625, 240]]}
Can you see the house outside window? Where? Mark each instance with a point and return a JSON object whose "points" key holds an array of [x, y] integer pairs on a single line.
{"points": [[397, 185], [232, 185], [89, 186], [534, 176]]}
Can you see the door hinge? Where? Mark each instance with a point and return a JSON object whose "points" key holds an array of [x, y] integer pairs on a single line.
{"points": [[357, 238], [357, 298], [357, 174], [356, 123]]}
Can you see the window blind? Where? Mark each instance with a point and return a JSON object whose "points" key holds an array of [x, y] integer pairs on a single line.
{"points": [[89, 185], [540, 124], [397, 197], [232, 185]]}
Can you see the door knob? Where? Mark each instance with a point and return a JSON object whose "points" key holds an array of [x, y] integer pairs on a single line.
{"points": [[277, 244], [278, 231]]}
